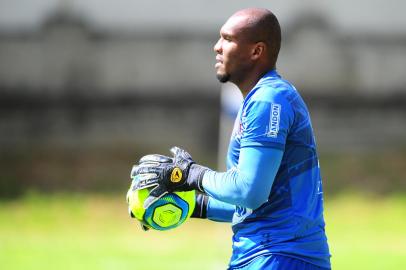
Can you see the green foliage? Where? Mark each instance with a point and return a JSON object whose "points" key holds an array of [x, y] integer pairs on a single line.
{"points": [[71, 231], [379, 171]]}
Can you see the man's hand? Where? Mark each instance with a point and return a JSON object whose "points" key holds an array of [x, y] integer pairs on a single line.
{"points": [[164, 174]]}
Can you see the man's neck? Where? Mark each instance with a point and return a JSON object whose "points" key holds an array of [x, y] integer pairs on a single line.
{"points": [[250, 81]]}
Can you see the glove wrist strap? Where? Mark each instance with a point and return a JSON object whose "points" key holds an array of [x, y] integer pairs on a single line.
{"points": [[195, 177], [200, 210]]}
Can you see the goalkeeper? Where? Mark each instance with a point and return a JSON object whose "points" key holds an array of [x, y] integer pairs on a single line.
{"points": [[272, 189]]}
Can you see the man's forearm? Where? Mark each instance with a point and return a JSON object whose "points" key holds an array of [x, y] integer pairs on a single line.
{"points": [[220, 211], [250, 183], [210, 208]]}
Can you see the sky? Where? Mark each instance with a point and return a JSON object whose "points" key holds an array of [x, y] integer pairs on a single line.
{"points": [[374, 16]]}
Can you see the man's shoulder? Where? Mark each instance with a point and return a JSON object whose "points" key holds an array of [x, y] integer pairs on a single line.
{"points": [[273, 89], [271, 95]]}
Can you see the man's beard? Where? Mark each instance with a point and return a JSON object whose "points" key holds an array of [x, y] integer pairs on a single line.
{"points": [[223, 78]]}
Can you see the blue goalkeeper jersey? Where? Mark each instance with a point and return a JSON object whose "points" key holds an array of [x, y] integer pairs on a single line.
{"points": [[291, 222]]}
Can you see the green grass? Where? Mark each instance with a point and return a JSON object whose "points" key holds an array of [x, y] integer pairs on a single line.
{"points": [[94, 232], [367, 232]]}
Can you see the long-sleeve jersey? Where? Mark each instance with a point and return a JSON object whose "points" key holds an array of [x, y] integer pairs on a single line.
{"points": [[272, 190]]}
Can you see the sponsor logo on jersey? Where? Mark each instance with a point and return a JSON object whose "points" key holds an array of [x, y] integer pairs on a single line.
{"points": [[274, 120]]}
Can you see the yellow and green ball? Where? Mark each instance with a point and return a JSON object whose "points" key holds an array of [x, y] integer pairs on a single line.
{"points": [[166, 213]]}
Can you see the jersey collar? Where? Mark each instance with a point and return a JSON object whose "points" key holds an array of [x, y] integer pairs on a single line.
{"points": [[272, 74]]}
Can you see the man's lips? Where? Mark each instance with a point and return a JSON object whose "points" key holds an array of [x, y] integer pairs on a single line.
{"points": [[219, 61]]}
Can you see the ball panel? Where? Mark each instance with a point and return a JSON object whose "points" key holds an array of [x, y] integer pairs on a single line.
{"points": [[190, 198], [136, 202], [166, 213], [169, 199]]}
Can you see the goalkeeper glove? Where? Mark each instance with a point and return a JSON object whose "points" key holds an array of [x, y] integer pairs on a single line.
{"points": [[164, 174], [200, 210]]}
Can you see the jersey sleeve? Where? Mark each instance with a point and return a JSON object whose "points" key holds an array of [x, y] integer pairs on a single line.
{"points": [[219, 211], [249, 184], [266, 122]]}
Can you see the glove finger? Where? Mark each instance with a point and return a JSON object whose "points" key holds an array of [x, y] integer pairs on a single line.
{"points": [[154, 195], [130, 213], [145, 168], [137, 184], [180, 153], [143, 227], [134, 171], [142, 181], [155, 158], [174, 150]]}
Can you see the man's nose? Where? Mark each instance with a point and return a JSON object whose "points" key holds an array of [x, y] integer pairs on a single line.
{"points": [[217, 46]]}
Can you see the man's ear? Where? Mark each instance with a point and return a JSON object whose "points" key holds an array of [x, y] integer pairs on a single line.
{"points": [[258, 50]]}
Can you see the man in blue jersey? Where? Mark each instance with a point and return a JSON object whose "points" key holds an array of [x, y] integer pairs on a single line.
{"points": [[272, 189]]}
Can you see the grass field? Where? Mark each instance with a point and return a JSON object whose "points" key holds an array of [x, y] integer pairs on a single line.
{"points": [[69, 231]]}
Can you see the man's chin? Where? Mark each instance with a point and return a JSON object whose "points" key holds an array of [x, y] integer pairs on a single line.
{"points": [[223, 78]]}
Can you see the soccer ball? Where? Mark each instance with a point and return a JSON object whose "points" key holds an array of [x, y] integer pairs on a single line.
{"points": [[166, 213]]}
